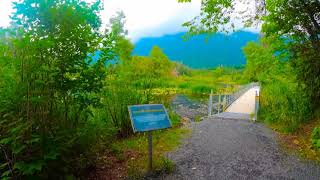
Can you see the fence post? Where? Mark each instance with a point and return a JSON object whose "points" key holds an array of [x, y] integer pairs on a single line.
{"points": [[219, 104], [150, 152], [224, 103], [210, 104], [256, 109]]}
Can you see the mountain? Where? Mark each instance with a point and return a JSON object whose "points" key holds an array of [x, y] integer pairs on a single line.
{"points": [[200, 51]]}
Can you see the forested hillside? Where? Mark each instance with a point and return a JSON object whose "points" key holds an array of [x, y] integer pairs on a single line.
{"points": [[201, 51]]}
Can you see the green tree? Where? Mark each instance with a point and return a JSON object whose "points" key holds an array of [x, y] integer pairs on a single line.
{"points": [[162, 65], [53, 86], [294, 22], [282, 101], [123, 46], [220, 15]]}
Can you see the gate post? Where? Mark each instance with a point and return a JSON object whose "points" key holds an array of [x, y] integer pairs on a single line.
{"points": [[210, 104], [256, 108]]}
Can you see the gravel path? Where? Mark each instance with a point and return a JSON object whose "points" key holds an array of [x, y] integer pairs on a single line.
{"points": [[236, 149]]}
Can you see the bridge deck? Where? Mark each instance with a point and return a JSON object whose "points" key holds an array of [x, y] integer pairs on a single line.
{"points": [[245, 104]]}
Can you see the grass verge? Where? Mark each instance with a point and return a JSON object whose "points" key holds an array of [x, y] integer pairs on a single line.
{"points": [[129, 157], [299, 141], [163, 141]]}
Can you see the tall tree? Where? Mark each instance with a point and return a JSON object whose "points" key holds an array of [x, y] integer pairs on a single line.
{"points": [[296, 22], [221, 15], [54, 84]]}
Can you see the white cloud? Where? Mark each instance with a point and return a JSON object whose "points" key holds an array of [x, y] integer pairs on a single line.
{"points": [[5, 12], [152, 17], [144, 18]]}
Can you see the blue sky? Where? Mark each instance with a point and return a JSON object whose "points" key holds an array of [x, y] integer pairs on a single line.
{"points": [[144, 18]]}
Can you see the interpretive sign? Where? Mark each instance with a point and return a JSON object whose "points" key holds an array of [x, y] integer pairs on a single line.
{"points": [[149, 117]]}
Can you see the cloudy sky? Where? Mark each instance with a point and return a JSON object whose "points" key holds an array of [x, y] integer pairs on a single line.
{"points": [[144, 18]]}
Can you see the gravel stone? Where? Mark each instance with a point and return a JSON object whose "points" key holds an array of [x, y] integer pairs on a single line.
{"points": [[236, 149]]}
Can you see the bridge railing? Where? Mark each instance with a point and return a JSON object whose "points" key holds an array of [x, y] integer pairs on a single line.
{"points": [[230, 98]]}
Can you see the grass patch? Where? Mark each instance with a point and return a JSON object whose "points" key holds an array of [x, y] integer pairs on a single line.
{"points": [[300, 140], [198, 119], [163, 141], [204, 80]]}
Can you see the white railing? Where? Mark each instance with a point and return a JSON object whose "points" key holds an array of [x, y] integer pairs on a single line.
{"points": [[229, 98]]}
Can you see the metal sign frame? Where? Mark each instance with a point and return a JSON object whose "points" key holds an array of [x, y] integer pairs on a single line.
{"points": [[132, 119], [149, 131]]}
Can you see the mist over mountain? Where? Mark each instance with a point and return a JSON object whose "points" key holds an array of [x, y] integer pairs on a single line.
{"points": [[200, 51]]}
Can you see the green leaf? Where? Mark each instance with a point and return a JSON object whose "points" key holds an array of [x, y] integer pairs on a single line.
{"points": [[29, 168], [6, 141], [18, 148], [4, 165], [6, 174], [52, 155]]}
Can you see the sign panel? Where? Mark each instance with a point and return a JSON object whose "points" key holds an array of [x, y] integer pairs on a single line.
{"points": [[149, 117]]}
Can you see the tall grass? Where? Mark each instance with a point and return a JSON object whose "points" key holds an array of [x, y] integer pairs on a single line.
{"points": [[284, 104]]}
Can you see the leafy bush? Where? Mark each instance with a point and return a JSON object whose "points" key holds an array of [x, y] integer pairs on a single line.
{"points": [[285, 104], [49, 88], [201, 89], [284, 100], [184, 85], [183, 69], [116, 101], [133, 81]]}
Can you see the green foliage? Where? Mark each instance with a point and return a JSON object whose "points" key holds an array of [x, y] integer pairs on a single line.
{"points": [[201, 82], [49, 88], [287, 57], [182, 69], [168, 166], [201, 89], [296, 21], [283, 101], [162, 64], [285, 104], [175, 118], [163, 141], [131, 82], [260, 62], [293, 23], [315, 137], [218, 15]]}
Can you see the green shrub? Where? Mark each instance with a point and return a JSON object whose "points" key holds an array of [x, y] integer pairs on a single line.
{"points": [[184, 85], [49, 88], [175, 118], [285, 104], [115, 109], [201, 89], [168, 165], [315, 138]]}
